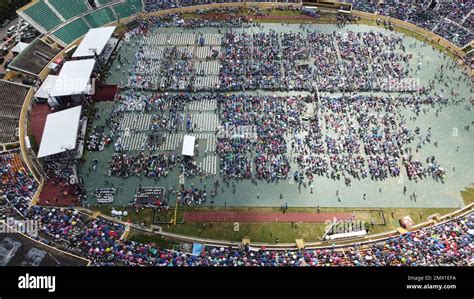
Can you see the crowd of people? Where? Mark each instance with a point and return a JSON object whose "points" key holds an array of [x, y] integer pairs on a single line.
{"points": [[421, 13], [156, 5], [98, 139], [159, 165], [291, 61], [192, 197], [99, 240], [18, 185], [283, 61], [459, 35], [427, 14], [272, 119], [364, 61], [352, 136], [126, 164]]}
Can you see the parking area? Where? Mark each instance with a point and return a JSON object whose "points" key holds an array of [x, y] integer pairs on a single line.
{"points": [[8, 34]]}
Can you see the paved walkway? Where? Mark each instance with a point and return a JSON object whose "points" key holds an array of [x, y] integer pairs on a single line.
{"points": [[261, 217], [38, 120]]}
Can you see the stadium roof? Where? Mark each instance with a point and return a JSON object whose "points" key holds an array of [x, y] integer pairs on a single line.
{"points": [[48, 84], [73, 78], [188, 145], [12, 96], [34, 58], [60, 132], [95, 39]]}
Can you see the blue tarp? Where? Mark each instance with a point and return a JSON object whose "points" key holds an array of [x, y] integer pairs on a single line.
{"points": [[197, 249]]}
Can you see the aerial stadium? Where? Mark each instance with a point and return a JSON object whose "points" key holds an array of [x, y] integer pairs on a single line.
{"points": [[238, 133]]}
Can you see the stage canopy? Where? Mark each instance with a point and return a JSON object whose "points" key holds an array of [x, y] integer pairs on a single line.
{"points": [[74, 78], [45, 90], [188, 145], [95, 39], [60, 132]]}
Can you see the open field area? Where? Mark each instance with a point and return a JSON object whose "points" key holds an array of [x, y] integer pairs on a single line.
{"points": [[450, 144]]}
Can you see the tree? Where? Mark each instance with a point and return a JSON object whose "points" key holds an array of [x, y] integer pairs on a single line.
{"points": [[8, 7]]}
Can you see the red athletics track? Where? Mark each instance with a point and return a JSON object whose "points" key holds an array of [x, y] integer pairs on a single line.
{"points": [[262, 217]]}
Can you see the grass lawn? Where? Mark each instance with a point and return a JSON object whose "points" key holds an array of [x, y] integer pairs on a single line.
{"points": [[168, 216], [150, 239], [258, 232]]}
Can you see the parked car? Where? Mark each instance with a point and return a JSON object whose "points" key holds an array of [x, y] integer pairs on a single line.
{"points": [[4, 23], [28, 35], [11, 30]]}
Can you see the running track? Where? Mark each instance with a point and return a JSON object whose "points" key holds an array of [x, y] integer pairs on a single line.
{"points": [[261, 217]]}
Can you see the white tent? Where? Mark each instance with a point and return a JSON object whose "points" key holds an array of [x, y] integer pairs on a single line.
{"points": [[95, 40], [188, 145], [20, 47], [45, 90], [74, 78], [60, 132]]}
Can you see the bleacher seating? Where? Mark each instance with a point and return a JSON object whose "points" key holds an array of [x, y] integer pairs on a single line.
{"points": [[72, 31], [125, 10], [13, 96], [105, 2], [43, 15], [100, 17], [69, 8], [7, 130]]}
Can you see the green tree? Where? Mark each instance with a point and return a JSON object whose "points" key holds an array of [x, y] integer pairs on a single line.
{"points": [[8, 7]]}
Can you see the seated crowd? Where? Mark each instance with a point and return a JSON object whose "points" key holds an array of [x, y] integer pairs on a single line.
{"points": [[421, 13], [425, 15], [18, 185]]}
